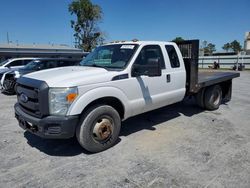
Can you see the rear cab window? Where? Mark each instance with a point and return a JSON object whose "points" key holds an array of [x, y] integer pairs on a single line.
{"points": [[173, 57]]}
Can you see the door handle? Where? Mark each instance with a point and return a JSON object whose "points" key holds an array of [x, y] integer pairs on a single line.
{"points": [[168, 78]]}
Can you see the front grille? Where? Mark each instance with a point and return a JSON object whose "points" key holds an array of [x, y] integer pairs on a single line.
{"points": [[32, 96], [32, 105]]}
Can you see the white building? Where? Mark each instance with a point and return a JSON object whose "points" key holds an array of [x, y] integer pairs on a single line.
{"points": [[247, 43]]}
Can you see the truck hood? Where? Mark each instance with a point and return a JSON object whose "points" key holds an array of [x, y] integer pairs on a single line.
{"points": [[73, 76]]}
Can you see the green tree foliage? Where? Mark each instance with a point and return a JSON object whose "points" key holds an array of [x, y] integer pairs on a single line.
{"points": [[226, 47], [232, 46], [178, 39], [203, 44], [209, 48], [235, 46], [88, 15]]}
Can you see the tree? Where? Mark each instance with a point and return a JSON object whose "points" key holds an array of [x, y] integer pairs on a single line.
{"points": [[226, 47], [203, 44], [235, 46], [88, 15], [209, 49], [178, 39]]}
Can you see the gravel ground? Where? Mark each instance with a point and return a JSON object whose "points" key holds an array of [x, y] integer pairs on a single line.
{"points": [[177, 146]]}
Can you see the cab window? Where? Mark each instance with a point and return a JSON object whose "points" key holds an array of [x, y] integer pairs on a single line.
{"points": [[150, 52], [173, 57]]}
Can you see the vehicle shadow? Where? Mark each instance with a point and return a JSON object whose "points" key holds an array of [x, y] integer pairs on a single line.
{"points": [[149, 121], [53, 147]]}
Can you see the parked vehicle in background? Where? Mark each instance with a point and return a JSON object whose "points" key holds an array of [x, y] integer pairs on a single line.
{"points": [[8, 80], [116, 81], [13, 64], [238, 66]]}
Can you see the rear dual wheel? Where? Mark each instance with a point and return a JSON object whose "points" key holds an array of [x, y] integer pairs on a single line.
{"points": [[210, 98]]}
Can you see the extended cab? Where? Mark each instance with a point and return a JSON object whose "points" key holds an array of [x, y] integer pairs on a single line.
{"points": [[116, 81]]}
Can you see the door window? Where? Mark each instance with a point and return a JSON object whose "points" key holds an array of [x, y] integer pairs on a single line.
{"points": [[25, 62], [150, 52], [16, 63]]}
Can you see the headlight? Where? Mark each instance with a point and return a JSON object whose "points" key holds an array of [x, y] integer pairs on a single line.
{"points": [[17, 74], [60, 100]]}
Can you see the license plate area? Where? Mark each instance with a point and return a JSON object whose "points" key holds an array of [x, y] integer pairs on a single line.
{"points": [[27, 125]]}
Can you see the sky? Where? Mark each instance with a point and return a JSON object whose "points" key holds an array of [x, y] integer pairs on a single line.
{"points": [[48, 21]]}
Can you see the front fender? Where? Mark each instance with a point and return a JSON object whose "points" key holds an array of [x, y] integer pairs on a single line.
{"points": [[80, 104]]}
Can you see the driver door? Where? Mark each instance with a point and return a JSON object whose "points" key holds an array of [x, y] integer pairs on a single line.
{"points": [[153, 90]]}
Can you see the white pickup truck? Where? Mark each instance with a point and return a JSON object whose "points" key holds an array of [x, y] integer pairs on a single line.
{"points": [[116, 81]]}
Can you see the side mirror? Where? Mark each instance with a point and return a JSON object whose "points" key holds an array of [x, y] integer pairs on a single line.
{"points": [[151, 69]]}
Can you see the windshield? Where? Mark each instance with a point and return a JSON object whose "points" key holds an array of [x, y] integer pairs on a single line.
{"points": [[4, 62], [34, 65], [110, 56]]}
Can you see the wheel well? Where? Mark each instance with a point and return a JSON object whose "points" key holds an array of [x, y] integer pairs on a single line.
{"points": [[111, 101]]}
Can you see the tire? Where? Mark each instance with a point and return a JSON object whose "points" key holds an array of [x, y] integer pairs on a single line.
{"points": [[213, 97], [15, 88], [9, 87], [199, 97], [99, 128]]}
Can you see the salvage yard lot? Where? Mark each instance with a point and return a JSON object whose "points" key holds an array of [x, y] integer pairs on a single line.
{"points": [[176, 146]]}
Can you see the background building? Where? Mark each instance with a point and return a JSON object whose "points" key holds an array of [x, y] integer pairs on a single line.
{"points": [[16, 50], [247, 43]]}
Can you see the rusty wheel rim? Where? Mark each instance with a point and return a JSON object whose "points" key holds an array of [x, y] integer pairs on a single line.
{"points": [[103, 129]]}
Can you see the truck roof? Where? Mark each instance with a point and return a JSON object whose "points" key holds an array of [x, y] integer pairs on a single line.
{"points": [[140, 42]]}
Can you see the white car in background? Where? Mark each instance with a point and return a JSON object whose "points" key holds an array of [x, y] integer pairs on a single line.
{"points": [[14, 63]]}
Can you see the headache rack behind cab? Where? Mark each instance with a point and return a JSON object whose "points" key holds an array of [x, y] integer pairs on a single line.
{"points": [[190, 52]]}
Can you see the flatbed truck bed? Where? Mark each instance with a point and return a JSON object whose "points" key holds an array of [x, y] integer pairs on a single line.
{"points": [[208, 78]]}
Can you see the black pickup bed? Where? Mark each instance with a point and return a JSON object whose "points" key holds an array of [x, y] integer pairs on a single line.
{"points": [[207, 78]]}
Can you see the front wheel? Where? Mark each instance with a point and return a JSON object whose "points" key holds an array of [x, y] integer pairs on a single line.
{"points": [[99, 128]]}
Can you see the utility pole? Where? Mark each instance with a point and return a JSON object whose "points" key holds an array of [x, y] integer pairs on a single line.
{"points": [[8, 40]]}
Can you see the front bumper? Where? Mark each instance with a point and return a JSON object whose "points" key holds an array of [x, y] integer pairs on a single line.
{"points": [[55, 127]]}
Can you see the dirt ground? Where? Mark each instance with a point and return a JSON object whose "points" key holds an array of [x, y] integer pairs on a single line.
{"points": [[176, 146]]}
